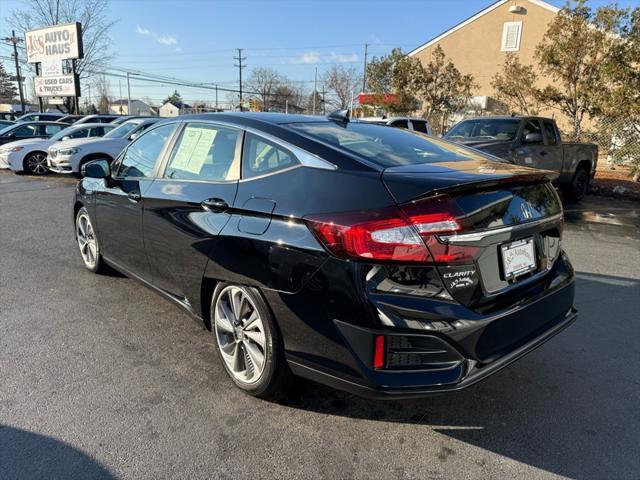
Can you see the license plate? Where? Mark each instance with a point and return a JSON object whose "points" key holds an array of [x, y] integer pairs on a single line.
{"points": [[518, 258]]}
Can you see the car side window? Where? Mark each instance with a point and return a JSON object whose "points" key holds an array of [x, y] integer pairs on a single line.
{"points": [[26, 131], [531, 126], [205, 152], [419, 126], [80, 133], [261, 156], [52, 129], [400, 124], [141, 156], [550, 132]]}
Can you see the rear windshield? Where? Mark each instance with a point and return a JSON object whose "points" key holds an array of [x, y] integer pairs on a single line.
{"points": [[491, 129], [385, 146]]}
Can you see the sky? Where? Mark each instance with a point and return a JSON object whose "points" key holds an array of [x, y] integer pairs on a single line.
{"points": [[195, 40]]}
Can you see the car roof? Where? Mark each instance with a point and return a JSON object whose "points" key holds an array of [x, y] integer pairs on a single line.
{"points": [[91, 125], [251, 117], [39, 122]]}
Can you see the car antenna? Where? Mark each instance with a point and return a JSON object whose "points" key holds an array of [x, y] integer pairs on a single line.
{"points": [[341, 116]]}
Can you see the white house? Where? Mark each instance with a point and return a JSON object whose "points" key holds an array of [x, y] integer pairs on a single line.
{"points": [[121, 107], [170, 110]]}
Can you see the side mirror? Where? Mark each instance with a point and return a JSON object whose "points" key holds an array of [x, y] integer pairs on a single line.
{"points": [[533, 138], [11, 135], [66, 137], [96, 169], [133, 136]]}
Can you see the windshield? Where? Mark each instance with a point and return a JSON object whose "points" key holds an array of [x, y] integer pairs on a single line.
{"points": [[384, 146], [491, 129], [6, 129], [122, 131]]}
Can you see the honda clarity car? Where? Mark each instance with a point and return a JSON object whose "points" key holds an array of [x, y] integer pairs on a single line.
{"points": [[375, 260]]}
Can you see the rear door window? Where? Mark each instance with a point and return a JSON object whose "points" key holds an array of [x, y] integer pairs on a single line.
{"points": [[419, 126], [205, 152], [400, 124], [550, 132], [53, 129], [261, 156]]}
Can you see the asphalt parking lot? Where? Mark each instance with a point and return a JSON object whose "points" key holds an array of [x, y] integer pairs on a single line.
{"points": [[101, 378]]}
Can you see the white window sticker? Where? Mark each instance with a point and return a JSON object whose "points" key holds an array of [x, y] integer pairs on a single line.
{"points": [[194, 149]]}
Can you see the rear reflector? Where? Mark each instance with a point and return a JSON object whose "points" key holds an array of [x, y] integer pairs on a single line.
{"points": [[394, 234], [378, 354]]}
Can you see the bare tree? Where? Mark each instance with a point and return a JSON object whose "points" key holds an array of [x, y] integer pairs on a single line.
{"points": [[102, 86], [263, 83], [341, 82]]}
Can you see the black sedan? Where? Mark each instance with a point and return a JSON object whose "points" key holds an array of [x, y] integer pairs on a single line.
{"points": [[376, 260]]}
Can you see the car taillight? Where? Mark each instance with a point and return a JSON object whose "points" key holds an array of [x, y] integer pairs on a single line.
{"points": [[405, 234]]}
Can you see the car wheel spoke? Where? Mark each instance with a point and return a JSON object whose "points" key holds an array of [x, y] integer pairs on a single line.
{"points": [[256, 336], [224, 318], [257, 357]]}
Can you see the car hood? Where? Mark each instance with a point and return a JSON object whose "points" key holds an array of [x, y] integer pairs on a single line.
{"points": [[79, 142]]}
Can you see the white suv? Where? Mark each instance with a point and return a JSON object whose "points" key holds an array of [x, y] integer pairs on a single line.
{"points": [[408, 123], [70, 155]]}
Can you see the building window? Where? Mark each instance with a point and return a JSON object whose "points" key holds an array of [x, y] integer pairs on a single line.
{"points": [[511, 32]]}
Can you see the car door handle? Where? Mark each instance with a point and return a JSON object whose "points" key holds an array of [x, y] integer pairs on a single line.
{"points": [[134, 196], [543, 153], [215, 205]]}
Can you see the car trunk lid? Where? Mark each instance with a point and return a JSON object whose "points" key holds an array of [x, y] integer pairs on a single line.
{"points": [[510, 218]]}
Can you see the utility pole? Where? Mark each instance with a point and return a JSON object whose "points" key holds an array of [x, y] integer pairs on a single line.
{"points": [[216, 97], [128, 95], [240, 58], [315, 90], [364, 74], [15, 40], [324, 103]]}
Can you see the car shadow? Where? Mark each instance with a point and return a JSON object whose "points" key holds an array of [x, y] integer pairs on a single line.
{"points": [[31, 456], [570, 407]]}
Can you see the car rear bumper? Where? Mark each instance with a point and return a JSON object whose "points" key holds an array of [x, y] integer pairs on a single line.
{"points": [[334, 342], [469, 372]]}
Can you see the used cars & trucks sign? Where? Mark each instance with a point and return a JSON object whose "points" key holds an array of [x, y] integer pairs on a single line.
{"points": [[60, 42], [56, 86]]}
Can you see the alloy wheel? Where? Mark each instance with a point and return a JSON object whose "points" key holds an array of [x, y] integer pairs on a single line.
{"points": [[240, 334], [86, 240], [37, 164]]}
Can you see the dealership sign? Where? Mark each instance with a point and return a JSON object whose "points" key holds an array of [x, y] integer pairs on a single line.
{"points": [[59, 42], [56, 86]]}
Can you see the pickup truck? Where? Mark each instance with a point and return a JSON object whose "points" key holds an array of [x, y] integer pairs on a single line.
{"points": [[531, 142]]}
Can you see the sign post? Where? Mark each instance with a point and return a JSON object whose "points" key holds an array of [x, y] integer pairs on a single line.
{"points": [[48, 47]]}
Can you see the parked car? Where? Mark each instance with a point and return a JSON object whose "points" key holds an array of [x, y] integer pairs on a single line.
{"points": [[6, 123], [8, 116], [368, 258], [532, 142], [408, 123], [70, 118], [41, 117], [98, 119], [124, 118], [23, 130], [30, 155], [70, 155]]}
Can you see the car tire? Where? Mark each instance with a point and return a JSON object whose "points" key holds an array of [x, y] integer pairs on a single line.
{"points": [[36, 163], [579, 185], [88, 242], [248, 340]]}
